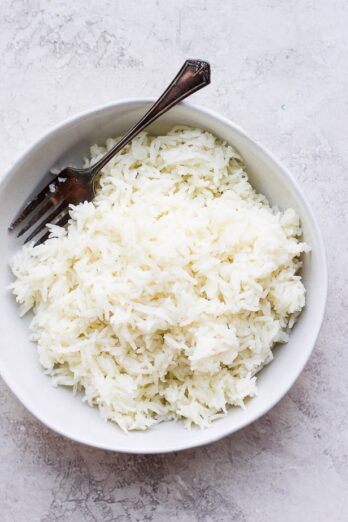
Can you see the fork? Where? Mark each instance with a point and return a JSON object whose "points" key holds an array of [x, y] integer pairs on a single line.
{"points": [[73, 186]]}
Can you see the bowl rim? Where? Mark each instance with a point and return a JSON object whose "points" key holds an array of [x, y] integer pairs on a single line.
{"points": [[133, 101]]}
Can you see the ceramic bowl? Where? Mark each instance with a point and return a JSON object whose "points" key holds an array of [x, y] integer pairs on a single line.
{"points": [[58, 408]]}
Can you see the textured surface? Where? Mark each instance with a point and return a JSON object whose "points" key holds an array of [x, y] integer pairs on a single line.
{"points": [[279, 70]]}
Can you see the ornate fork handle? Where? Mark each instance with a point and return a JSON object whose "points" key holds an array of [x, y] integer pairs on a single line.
{"points": [[193, 75]]}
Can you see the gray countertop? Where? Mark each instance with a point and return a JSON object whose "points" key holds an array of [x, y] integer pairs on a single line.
{"points": [[280, 70]]}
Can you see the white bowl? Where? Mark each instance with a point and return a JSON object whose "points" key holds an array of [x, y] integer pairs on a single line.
{"points": [[57, 407]]}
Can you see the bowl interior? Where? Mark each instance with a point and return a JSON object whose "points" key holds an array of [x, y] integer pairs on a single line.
{"points": [[56, 407]]}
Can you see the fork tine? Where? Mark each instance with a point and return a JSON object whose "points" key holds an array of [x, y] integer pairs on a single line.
{"points": [[33, 203], [41, 211], [48, 219], [63, 221]]}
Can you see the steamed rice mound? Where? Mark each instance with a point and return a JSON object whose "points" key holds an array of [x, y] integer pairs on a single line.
{"points": [[164, 297]]}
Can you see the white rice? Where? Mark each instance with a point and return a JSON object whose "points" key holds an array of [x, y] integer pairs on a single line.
{"points": [[164, 297]]}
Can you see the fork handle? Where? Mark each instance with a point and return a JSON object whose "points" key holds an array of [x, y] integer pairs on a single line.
{"points": [[194, 75]]}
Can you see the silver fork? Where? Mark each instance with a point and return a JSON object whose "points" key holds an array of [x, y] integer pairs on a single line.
{"points": [[72, 186]]}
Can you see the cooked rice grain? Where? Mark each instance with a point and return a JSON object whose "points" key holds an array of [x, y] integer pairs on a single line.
{"points": [[164, 297]]}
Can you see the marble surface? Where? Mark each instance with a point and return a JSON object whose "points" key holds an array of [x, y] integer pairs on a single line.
{"points": [[280, 70]]}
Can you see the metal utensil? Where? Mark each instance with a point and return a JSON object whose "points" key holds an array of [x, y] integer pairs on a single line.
{"points": [[73, 186]]}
